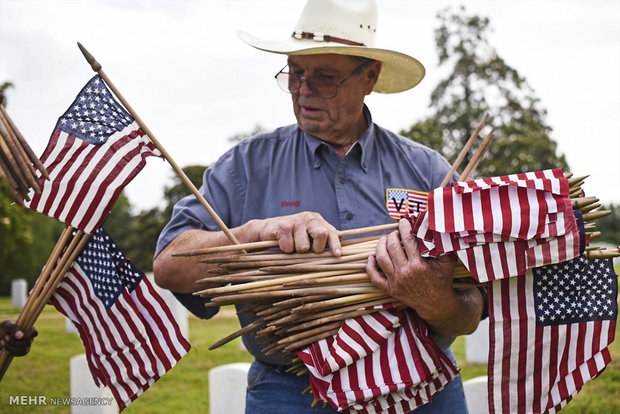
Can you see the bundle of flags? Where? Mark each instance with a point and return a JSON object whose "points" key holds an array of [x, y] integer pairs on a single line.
{"points": [[129, 334], [552, 311], [377, 363]]}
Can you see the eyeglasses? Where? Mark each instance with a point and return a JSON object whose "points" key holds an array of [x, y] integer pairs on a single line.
{"points": [[322, 86]]}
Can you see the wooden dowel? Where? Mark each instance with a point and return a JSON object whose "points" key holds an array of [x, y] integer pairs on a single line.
{"points": [[246, 329], [312, 307], [24, 144], [260, 284], [464, 151], [595, 215], [314, 268], [299, 344], [20, 154], [583, 202], [188, 183], [309, 333], [478, 156]]}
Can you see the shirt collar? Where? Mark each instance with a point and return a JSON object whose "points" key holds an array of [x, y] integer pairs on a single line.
{"points": [[365, 143]]}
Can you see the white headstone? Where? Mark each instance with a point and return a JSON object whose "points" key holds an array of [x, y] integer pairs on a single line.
{"points": [[19, 292], [69, 326], [227, 388], [83, 387], [477, 344], [477, 395]]}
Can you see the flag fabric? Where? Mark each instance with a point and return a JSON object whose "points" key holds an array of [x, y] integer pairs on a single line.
{"points": [[401, 202], [381, 362], [129, 334], [522, 220], [549, 332], [96, 149]]}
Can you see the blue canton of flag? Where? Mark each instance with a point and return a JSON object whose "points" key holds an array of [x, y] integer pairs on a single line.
{"points": [[579, 290], [95, 115], [107, 268]]}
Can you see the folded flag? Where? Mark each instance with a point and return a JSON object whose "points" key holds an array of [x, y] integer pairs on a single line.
{"points": [[382, 362], [521, 221], [96, 149], [129, 334], [549, 332]]}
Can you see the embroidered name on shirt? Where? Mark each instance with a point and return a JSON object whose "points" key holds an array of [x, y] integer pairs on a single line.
{"points": [[401, 202], [290, 203]]}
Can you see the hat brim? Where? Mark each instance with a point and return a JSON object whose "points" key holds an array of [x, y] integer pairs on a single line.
{"points": [[399, 72]]}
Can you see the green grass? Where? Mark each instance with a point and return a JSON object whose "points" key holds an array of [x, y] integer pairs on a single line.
{"points": [[45, 371]]}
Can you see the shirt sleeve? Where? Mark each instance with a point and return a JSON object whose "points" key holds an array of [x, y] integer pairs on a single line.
{"points": [[220, 188]]}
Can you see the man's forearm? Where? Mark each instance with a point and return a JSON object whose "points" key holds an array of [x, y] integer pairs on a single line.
{"points": [[180, 274], [463, 317]]}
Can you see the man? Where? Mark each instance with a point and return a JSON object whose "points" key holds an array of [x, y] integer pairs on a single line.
{"points": [[13, 340], [301, 183]]}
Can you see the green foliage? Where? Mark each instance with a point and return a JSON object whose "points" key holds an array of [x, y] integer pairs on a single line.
{"points": [[26, 239], [481, 82], [609, 226], [240, 137], [142, 240], [178, 189]]}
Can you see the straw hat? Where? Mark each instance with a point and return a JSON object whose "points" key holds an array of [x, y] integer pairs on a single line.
{"points": [[345, 27]]}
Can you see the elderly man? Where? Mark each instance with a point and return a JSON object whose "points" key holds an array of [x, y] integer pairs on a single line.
{"points": [[301, 183]]}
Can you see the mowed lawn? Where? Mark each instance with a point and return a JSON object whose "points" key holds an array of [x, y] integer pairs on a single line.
{"points": [[45, 371]]}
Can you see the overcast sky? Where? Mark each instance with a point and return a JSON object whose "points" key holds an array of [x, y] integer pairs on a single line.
{"points": [[182, 67]]}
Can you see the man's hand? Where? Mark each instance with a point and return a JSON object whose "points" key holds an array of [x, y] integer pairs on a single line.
{"points": [[299, 232], [423, 284], [13, 340]]}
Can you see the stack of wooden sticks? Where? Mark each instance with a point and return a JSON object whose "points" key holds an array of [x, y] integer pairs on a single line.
{"points": [[302, 297], [18, 164]]}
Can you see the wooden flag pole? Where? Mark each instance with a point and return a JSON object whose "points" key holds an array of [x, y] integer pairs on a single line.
{"points": [[464, 152], [51, 276], [97, 68]]}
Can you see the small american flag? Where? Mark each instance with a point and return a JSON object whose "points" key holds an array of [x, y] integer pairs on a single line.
{"points": [[550, 329], [96, 149], [378, 363], [129, 334]]}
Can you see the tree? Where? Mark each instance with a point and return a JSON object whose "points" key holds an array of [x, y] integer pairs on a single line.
{"points": [[4, 86], [26, 240], [178, 190], [481, 82]]}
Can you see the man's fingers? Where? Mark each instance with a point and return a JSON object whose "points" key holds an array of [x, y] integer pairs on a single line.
{"points": [[30, 335], [408, 240], [375, 276]]}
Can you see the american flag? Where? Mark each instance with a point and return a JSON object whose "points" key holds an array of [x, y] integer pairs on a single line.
{"points": [[96, 149], [550, 329], [129, 334], [377, 363], [519, 221]]}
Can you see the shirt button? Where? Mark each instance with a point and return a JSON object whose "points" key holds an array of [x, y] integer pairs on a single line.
{"points": [[349, 216], [342, 180]]}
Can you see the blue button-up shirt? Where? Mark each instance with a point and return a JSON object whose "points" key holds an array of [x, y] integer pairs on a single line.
{"points": [[288, 171]]}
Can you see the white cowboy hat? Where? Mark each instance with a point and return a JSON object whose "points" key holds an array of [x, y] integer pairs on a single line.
{"points": [[345, 27]]}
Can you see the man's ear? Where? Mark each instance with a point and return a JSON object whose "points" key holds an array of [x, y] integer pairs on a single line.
{"points": [[372, 74]]}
